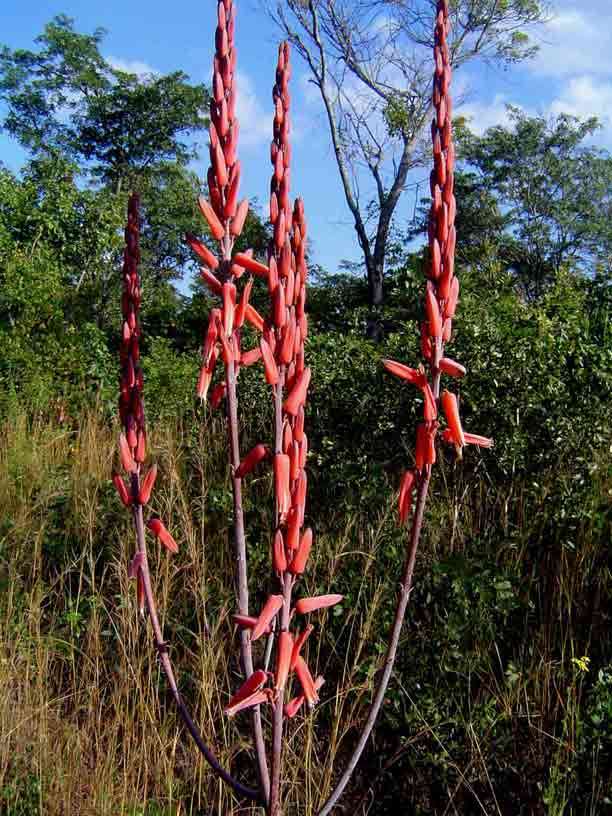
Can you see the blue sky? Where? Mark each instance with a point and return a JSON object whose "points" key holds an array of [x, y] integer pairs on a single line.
{"points": [[572, 73]]}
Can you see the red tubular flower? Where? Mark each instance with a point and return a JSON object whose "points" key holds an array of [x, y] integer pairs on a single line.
{"points": [[411, 375], [246, 691], [247, 262], [248, 622], [122, 490], [251, 460], [479, 441], [299, 642], [307, 683], [156, 526], [240, 315], [281, 483], [405, 495], [216, 227], [229, 307], [298, 564], [147, 486], [217, 394], [248, 358], [127, 460], [270, 610], [434, 317], [306, 605], [200, 249], [297, 396], [213, 283], [452, 368], [258, 698], [451, 412], [270, 367], [279, 557], [294, 705], [283, 660], [239, 218]]}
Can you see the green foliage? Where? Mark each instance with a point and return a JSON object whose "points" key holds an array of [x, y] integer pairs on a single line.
{"points": [[553, 191], [67, 97]]}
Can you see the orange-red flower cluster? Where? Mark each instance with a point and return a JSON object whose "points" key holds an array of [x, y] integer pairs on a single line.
{"points": [[132, 442], [442, 288]]}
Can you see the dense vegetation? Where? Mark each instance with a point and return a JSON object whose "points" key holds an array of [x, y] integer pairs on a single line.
{"points": [[502, 701]]}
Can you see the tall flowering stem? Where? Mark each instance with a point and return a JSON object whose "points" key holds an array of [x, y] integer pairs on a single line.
{"points": [[136, 494], [225, 216], [441, 296]]}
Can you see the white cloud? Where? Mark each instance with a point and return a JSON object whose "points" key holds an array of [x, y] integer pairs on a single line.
{"points": [[255, 120], [585, 96], [483, 115], [138, 67], [575, 42]]}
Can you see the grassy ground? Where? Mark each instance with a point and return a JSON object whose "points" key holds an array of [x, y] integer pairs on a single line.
{"points": [[499, 704]]}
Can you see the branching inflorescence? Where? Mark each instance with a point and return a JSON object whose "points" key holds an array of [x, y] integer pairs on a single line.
{"points": [[230, 276], [441, 297]]}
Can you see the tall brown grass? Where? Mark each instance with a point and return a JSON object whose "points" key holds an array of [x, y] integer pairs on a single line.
{"points": [[86, 723]]}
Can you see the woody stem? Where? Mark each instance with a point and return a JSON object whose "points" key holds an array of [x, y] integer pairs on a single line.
{"points": [[398, 621], [241, 577], [166, 664], [287, 586]]}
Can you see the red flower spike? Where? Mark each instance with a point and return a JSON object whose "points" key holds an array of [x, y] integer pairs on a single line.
{"points": [[122, 490], [306, 605], [281, 483], [247, 262], [447, 330], [451, 412], [283, 660], [217, 229], [297, 396], [147, 486], [405, 495], [279, 557], [156, 526], [202, 251], [270, 610], [425, 453], [293, 530], [306, 681], [411, 375], [298, 564], [299, 642], [127, 460], [258, 454], [270, 367], [452, 368]]}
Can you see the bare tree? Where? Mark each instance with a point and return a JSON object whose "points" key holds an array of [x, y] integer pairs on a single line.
{"points": [[370, 60]]}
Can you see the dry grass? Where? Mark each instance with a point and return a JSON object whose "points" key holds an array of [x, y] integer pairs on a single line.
{"points": [[85, 721]]}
